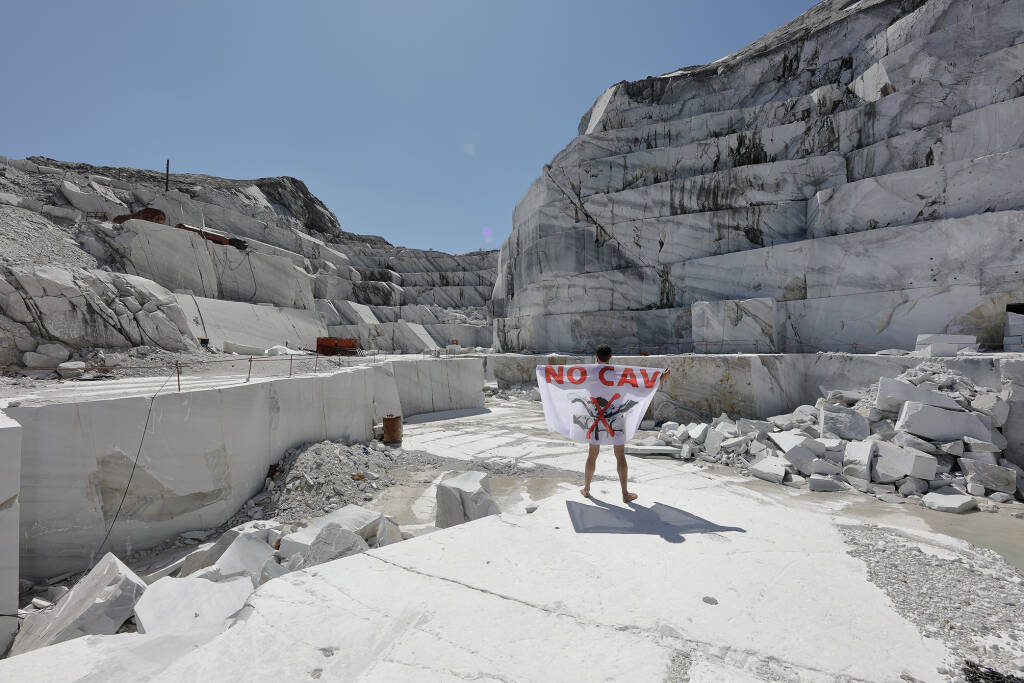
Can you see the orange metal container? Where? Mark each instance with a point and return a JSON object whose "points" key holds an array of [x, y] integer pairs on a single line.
{"points": [[392, 429], [337, 346]]}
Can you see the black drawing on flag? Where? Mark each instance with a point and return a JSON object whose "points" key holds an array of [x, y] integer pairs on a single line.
{"points": [[598, 412]]}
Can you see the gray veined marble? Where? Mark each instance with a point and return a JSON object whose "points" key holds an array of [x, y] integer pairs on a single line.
{"points": [[846, 182]]}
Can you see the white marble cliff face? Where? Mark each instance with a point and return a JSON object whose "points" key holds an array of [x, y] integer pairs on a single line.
{"points": [[847, 120], [296, 259]]}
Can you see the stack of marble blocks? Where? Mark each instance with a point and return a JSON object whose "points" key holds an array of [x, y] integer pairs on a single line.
{"points": [[845, 190]]}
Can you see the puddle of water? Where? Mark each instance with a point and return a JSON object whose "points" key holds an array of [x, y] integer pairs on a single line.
{"points": [[999, 531]]}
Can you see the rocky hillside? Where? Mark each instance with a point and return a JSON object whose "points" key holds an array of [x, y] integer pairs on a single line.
{"points": [[846, 182], [256, 263]]}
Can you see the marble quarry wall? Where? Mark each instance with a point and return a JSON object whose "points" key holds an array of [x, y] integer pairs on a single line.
{"points": [[85, 281], [10, 514], [756, 386], [844, 183], [206, 451]]}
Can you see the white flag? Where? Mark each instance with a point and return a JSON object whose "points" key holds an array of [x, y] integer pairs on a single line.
{"points": [[600, 404]]}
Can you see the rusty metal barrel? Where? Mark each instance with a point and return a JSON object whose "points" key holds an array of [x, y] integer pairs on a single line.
{"points": [[392, 429]]}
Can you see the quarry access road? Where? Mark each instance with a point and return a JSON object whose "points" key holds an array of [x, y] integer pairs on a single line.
{"points": [[700, 579]]}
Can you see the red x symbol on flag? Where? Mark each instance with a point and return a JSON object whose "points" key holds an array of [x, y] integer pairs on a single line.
{"points": [[600, 415]]}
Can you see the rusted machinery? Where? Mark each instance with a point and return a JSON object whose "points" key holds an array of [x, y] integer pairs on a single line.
{"points": [[146, 214], [214, 237], [337, 346]]}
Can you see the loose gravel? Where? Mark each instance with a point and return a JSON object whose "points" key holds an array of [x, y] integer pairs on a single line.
{"points": [[974, 603]]}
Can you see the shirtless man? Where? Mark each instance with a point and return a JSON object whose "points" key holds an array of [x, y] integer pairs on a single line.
{"points": [[603, 355]]}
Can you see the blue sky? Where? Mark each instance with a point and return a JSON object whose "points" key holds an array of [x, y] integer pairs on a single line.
{"points": [[423, 122]]}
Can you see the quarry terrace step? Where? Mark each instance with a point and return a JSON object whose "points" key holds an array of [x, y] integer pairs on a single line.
{"points": [[462, 278], [892, 261], [835, 55], [657, 242], [987, 246], [995, 66], [664, 330], [648, 167], [676, 133], [984, 131], [644, 165], [956, 189], [552, 198], [751, 185]]}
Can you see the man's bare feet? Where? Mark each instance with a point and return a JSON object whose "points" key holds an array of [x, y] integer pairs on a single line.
{"points": [[629, 497], [585, 492]]}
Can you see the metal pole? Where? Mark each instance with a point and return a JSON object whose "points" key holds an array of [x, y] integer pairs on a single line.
{"points": [[250, 370], [167, 176], [177, 368], [290, 359]]}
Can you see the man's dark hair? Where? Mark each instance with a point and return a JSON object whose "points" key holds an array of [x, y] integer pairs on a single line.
{"points": [[603, 353]]}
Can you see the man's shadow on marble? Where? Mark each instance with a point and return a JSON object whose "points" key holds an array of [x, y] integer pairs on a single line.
{"points": [[672, 524]]}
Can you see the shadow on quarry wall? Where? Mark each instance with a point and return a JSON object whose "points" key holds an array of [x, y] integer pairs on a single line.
{"points": [[658, 520], [148, 500]]}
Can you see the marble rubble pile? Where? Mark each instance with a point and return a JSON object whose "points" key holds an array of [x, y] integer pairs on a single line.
{"points": [[929, 435], [204, 587], [200, 579], [210, 262], [843, 183]]}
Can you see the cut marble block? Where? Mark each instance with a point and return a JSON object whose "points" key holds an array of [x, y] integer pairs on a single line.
{"points": [[10, 518], [190, 477], [936, 424], [353, 313], [896, 462], [372, 527], [949, 500], [770, 469], [1014, 324], [873, 321], [439, 385], [327, 286], [468, 335], [734, 326], [245, 556], [958, 341], [966, 187], [331, 543], [377, 293], [158, 252], [189, 604], [93, 202], [400, 336], [858, 458], [262, 326], [413, 313], [893, 393], [992, 477], [98, 604], [464, 498]]}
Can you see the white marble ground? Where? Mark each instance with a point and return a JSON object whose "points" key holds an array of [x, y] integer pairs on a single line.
{"points": [[528, 597]]}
